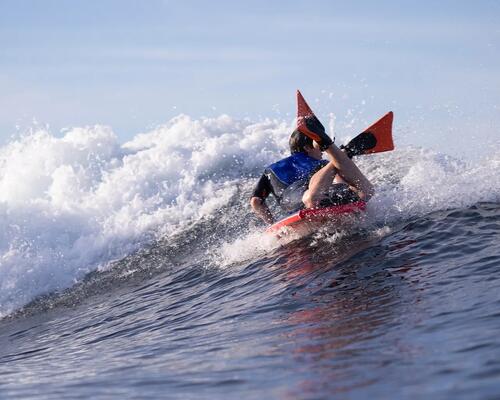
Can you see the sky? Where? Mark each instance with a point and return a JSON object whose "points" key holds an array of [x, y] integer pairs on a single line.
{"points": [[133, 65]]}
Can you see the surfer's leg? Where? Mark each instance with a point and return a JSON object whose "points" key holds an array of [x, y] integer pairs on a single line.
{"points": [[319, 184], [350, 173]]}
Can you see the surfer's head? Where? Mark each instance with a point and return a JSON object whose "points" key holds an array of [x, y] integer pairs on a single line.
{"points": [[298, 142]]}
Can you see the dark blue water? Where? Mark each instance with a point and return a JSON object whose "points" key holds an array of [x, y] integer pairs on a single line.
{"points": [[411, 313]]}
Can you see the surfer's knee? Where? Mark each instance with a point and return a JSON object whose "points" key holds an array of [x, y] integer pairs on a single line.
{"points": [[306, 198], [311, 199], [367, 191]]}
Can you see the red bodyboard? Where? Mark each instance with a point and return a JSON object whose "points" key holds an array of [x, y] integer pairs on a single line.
{"points": [[315, 215]]}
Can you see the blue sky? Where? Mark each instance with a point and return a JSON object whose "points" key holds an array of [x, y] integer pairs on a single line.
{"points": [[135, 64]]}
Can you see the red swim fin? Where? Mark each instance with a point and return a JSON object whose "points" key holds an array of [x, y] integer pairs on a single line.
{"points": [[303, 109], [309, 124], [382, 130], [377, 138]]}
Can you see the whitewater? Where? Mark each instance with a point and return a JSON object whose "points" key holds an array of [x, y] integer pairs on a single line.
{"points": [[143, 260]]}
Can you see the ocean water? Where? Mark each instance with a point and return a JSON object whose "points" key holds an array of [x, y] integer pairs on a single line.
{"points": [[137, 270]]}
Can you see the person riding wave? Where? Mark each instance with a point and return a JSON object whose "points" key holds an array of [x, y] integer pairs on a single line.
{"points": [[305, 179]]}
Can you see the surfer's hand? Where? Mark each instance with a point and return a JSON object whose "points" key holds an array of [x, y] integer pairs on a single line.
{"points": [[314, 129], [323, 140], [260, 208]]}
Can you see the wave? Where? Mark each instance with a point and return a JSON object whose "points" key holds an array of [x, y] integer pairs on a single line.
{"points": [[74, 204]]}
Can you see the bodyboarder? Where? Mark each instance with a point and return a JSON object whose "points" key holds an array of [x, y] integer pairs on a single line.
{"points": [[305, 180]]}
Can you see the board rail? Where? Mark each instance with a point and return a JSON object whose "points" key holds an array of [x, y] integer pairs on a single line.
{"points": [[316, 214]]}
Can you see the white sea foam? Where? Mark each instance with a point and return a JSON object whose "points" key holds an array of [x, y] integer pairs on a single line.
{"points": [[251, 246], [69, 205], [409, 182], [72, 204], [412, 182]]}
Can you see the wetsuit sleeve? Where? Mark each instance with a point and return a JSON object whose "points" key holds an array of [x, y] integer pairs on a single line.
{"points": [[263, 188]]}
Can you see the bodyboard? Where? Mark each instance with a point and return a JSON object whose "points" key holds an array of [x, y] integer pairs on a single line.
{"points": [[315, 216]]}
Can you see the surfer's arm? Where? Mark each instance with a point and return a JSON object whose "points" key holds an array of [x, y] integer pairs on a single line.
{"points": [[260, 208], [350, 173], [258, 200]]}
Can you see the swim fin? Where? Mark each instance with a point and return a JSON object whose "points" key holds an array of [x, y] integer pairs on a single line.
{"points": [[309, 124], [377, 138]]}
